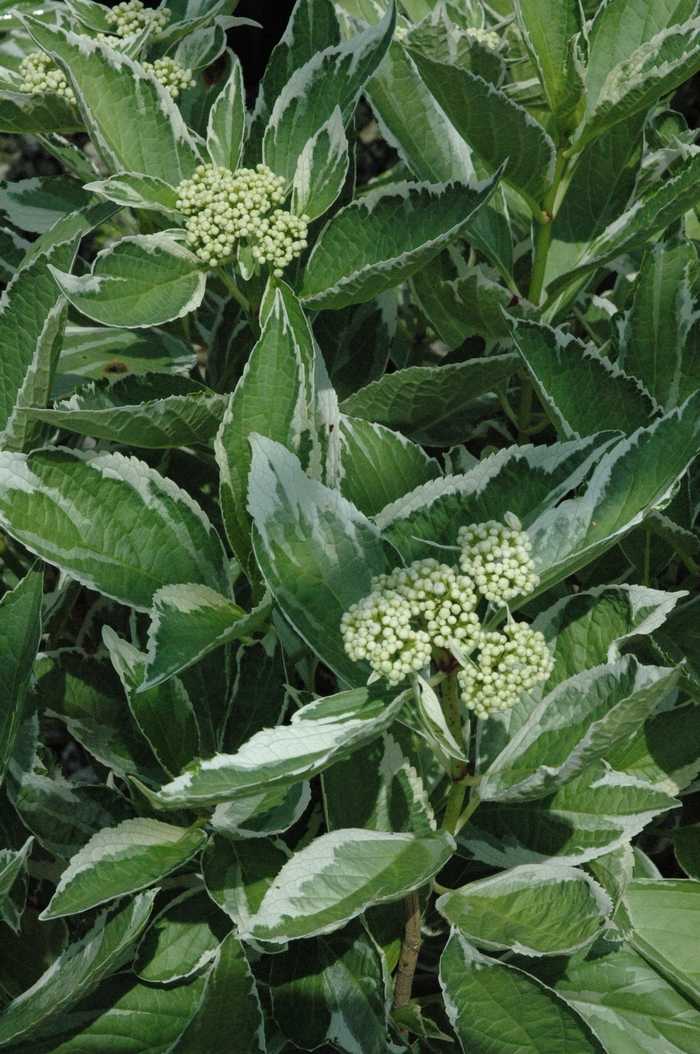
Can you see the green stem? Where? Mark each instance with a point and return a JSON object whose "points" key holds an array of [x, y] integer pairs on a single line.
{"points": [[525, 408], [471, 808], [450, 708], [543, 234], [233, 289], [647, 559]]}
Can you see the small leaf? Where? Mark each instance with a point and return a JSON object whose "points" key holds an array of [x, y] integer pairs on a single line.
{"points": [[415, 399], [144, 280], [489, 1002], [107, 946], [532, 909], [226, 123], [137, 191], [319, 734], [321, 169], [69, 506], [385, 236], [13, 865], [341, 874], [37, 112], [120, 860], [37, 204], [264, 814]]}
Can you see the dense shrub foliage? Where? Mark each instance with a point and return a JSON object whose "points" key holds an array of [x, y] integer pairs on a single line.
{"points": [[349, 612]]}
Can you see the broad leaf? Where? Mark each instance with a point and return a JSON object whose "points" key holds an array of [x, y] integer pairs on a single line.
{"points": [[321, 169], [159, 411], [137, 191], [188, 622], [664, 915], [227, 121], [134, 123], [316, 551], [230, 995], [493, 125], [341, 874], [665, 751], [581, 390], [237, 874], [110, 521], [264, 814], [164, 714], [332, 988], [20, 635], [379, 466], [108, 944], [686, 846], [414, 400], [532, 909], [121, 860], [37, 112], [332, 77], [37, 204], [259, 696], [96, 352], [13, 865], [271, 399], [548, 28], [458, 304], [490, 1004], [590, 816], [581, 720], [182, 939], [144, 280], [385, 236], [319, 734]]}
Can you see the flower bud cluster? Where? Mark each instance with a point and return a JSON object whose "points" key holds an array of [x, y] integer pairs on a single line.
{"points": [[497, 557], [171, 75], [506, 664], [485, 36], [40, 74], [130, 16], [226, 206], [406, 613]]}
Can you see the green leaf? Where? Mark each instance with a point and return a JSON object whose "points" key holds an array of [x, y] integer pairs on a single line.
{"points": [[525, 480], [590, 816], [581, 390], [458, 304], [332, 78], [272, 399], [664, 915], [580, 721], [494, 126], [22, 431], [319, 734], [316, 551], [355, 341], [182, 939], [110, 521], [13, 249], [188, 622], [385, 236], [156, 411], [321, 169], [37, 204], [120, 860], [143, 280], [86, 694], [658, 346], [341, 874], [491, 1005], [653, 70], [27, 955], [164, 714], [415, 399], [25, 308], [123, 1017], [600, 188], [665, 751], [96, 352], [259, 696], [620, 27], [230, 995], [20, 636], [226, 123], [266, 813], [628, 1005], [238, 874], [379, 789], [532, 909], [131, 118], [686, 846], [548, 28], [638, 474], [379, 465], [13, 866], [37, 112], [79, 969], [137, 191], [71, 156], [331, 989]]}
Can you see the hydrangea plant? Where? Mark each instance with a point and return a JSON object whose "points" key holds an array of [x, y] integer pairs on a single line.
{"points": [[348, 531]]}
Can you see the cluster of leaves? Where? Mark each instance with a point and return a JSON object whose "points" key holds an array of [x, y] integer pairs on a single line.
{"points": [[201, 471]]}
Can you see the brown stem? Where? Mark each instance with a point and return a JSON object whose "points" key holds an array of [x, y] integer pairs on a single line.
{"points": [[409, 950]]}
